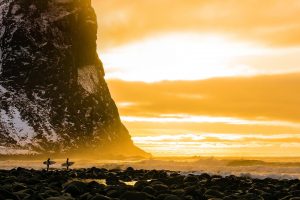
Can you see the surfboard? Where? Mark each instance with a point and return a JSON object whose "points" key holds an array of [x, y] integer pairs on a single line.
{"points": [[50, 162], [69, 164]]}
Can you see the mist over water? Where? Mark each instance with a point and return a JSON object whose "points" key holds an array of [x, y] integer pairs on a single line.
{"points": [[278, 168]]}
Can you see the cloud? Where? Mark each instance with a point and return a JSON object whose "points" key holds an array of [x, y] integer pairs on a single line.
{"points": [[210, 143], [274, 97], [194, 139], [272, 22]]}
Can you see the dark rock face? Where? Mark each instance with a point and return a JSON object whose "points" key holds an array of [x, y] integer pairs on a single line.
{"points": [[53, 96]]}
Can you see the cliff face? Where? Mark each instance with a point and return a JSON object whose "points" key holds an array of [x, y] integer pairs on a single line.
{"points": [[53, 96]]}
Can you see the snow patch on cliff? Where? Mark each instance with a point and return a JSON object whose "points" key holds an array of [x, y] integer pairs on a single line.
{"points": [[88, 78], [20, 131], [2, 89]]}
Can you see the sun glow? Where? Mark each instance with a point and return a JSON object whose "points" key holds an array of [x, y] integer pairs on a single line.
{"points": [[179, 56], [206, 77]]}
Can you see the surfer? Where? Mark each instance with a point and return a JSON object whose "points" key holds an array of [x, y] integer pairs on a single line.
{"points": [[48, 163], [67, 164]]}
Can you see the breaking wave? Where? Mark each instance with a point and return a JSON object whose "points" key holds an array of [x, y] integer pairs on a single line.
{"points": [[250, 168]]}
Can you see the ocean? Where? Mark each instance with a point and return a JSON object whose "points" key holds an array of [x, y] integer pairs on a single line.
{"points": [[277, 168]]}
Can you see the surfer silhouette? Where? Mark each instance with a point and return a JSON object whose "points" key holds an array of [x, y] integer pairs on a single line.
{"points": [[67, 164], [48, 163]]}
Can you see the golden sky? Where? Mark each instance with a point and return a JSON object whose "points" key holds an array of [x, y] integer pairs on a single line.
{"points": [[210, 77]]}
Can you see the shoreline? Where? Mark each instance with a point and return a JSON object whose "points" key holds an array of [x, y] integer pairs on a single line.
{"points": [[251, 168]]}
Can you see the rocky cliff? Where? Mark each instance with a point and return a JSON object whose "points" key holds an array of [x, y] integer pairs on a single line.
{"points": [[53, 96]]}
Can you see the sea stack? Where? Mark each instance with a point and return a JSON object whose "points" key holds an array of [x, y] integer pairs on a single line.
{"points": [[53, 95]]}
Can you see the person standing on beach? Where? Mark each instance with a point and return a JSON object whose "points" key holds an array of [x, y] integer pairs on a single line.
{"points": [[67, 164], [48, 163]]}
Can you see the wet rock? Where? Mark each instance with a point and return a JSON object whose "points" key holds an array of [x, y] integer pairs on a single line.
{"points": [[112, 179], [160, 187], [95, 185], [228, 188], [172, 197], [34, 197], [86, 196], [100, 197], [213, 194], [129, 169], [24, 193], [295, 186], [162, 196], [287, 197], [295, 193], [33, 180], [114, 193], [51, 193], [131, 195], [139, 185], [191, 178], [75, 188], [268, 196], [252, 196], [178, 192], [175, 180], [150, 190], [18, 186], [60, 198], [4, 194], [231, 197]]}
